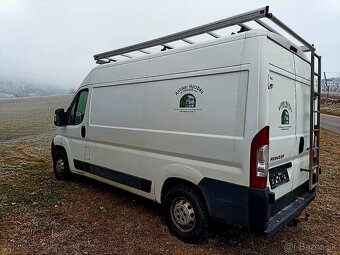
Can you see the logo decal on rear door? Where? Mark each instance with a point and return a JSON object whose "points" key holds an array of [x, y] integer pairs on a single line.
{"points": [[285, 117], [284, 109]]}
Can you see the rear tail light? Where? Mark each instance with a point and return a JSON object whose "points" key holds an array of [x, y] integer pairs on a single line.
{"points": [[262, 161], [259, 159]]}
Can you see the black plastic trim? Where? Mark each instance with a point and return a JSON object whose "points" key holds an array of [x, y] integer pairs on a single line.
{"points": [[289, 198], [280, 168], [113, 175], [226, 201], [52, 147], [301, 144], [252, 207], [271, 197], [288, 213]]}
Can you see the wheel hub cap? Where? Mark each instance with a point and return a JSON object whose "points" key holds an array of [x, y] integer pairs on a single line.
{"points": [[183, 214], [60, 165]]}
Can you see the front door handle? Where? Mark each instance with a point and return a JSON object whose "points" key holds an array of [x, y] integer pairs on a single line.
{"points": [[83, 131]]}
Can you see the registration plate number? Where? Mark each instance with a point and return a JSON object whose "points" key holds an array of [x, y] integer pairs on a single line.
{"points": [[278, 178]]}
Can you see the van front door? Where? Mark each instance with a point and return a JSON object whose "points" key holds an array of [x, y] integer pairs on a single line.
{"points": [[75, 129]]}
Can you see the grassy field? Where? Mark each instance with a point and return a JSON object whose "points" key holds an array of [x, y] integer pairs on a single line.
{"points": [[28, 116], [40, 215]]}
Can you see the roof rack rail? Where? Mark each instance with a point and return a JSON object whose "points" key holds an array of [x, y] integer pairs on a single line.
{"points": [[255, 15]]}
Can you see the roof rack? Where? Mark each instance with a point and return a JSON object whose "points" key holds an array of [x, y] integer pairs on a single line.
{"points": [[255, 15]]}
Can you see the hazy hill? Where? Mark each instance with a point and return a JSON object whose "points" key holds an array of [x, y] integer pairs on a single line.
{"points": [[17, 88]]}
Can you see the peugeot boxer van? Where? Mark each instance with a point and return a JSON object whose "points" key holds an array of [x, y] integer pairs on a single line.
{"points": [[218, 130]]}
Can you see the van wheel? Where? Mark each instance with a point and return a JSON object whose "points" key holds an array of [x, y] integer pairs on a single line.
{"points": [[61, 168], [186, 214]]}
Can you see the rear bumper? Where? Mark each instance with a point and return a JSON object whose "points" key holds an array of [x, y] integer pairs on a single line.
{"points": [[288, 213], [254, 208]]}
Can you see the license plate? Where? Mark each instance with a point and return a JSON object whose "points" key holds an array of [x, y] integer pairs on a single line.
{"points": [[278, 178]]}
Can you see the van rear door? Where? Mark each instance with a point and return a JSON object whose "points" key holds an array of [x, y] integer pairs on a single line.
{"points": [[302, 85], [282, 119]]}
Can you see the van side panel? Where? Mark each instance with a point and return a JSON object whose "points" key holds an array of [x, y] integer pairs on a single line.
{"points": [[256, 103], [160, 133], [200, 57]]}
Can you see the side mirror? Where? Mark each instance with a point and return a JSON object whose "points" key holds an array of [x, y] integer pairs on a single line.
{"points": [[60, 117]]}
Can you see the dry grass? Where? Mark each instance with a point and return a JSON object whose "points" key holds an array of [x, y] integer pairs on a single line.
{"points": [[40, 215]]}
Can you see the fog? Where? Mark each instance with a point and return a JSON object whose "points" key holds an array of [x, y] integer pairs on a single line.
{"points": [[54, 41]]}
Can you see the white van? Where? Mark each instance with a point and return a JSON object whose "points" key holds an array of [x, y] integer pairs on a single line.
{"points": [[216, 130]]}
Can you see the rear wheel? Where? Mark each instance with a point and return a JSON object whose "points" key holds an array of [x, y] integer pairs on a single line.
{"points": [[61, 167], [186, 214]]}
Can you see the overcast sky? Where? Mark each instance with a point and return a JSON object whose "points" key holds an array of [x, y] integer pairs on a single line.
{"points": [[53, 41]]}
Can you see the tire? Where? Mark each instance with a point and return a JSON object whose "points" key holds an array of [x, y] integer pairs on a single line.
{"points": [[186, 214], [61, 167]]}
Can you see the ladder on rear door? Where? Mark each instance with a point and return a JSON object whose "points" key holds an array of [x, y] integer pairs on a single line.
{"points": [[314, 141]]}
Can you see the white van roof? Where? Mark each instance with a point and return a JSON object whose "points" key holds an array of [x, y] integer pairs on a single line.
{"points": [[284, 42], [279, 39]]}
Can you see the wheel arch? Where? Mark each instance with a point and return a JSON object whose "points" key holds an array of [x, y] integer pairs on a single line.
{"points": [[61, 166], [60, 143], [171, 173], [55, 148], [175, 181]]}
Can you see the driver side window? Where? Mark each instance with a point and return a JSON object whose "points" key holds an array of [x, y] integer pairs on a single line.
{"points": [[76, 111]]}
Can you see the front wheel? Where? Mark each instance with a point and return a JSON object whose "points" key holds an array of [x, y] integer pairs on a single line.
{"points": [[61, 168], [186, 214]]}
